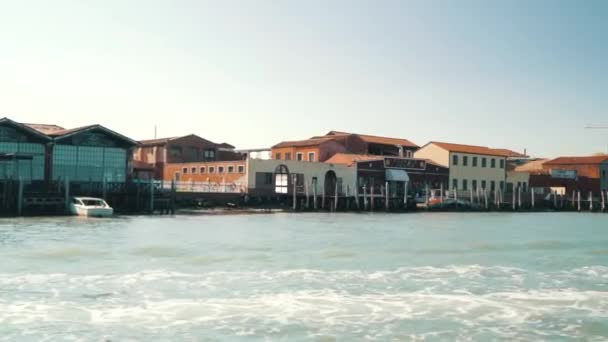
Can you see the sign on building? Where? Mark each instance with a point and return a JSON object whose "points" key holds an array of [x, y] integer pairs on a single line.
{"points": [[405, 163]]}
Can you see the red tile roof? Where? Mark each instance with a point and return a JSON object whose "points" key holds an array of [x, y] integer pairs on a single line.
{"points": [[483, 150], [374, 139], [578, 160], [350, 159], [511, 153], [163, 141], [303, 143]]}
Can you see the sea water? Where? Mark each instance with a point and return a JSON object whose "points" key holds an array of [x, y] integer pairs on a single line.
{"points": [[300, 277]]}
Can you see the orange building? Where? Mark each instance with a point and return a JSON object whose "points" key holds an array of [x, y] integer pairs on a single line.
{"points": [[321, 148], [209, 172]]}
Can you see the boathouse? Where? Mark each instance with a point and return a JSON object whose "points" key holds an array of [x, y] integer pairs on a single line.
{"points": [[22, 152]]}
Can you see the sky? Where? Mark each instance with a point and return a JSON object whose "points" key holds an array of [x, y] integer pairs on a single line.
{"points": [[510, 74]]}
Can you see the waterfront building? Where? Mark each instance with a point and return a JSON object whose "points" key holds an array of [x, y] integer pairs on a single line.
{"points": [[177, 150], [376, 171], [321, 148], [22, 151], [470, 167], [581, 173]]}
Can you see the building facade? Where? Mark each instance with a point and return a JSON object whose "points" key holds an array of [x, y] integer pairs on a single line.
{"points": [[22, 152], [470, 167]]}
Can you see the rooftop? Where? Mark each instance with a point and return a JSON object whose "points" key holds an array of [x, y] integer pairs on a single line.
{"points": [[45, 129], [374, 139], [578, 160], [302, 143], [350, 159], [473, 149]]}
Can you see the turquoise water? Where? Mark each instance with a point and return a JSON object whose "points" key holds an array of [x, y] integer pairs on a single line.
{"points": [[296, 277]]}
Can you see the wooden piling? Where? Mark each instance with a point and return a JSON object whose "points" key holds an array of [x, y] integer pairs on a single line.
{"points": [[573, 199], [364, 197], [307, 196], [603, 201], [66, 190], [20, 197], [386, 197], [590, 200], [519, 197], [323, 198], [295, 198], [314, 195], [532, 199], [405, 186], [485, 198], [371, 190], [471, 195], [357, 195], [428, 195], [151, 196], [579, 200], [513, 198], [336, 198]]}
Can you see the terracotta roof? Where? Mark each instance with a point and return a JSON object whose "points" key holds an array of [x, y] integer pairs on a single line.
{"points": [[374, 139], [578, 160], [350, 159], [162, 141], [511, 153], [472, 149], [45, 129], [302, 143]]}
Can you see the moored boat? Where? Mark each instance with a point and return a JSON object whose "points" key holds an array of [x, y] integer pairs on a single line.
{"points": [[90, 207]]}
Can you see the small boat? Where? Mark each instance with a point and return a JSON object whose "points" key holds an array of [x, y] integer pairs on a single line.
{"points": [[90, 207]]}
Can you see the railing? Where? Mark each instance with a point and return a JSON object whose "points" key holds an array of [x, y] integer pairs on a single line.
{"points": [[208, 187]]}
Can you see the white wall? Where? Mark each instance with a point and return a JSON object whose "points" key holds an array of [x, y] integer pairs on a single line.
{"points": [[308, 169], [478, 173], [435, 153]]}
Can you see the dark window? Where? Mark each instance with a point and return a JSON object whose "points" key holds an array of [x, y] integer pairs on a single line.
{"points": [[230, 169], [492, 163], [185, 170], [288, 156], [176, 151], [492, 185], [263, 178], [464, 184], [211, 169], [502, 163], [311, 156], [220, 169], [277, 156], [474, 184], [193, 153], [299, 156], [455, 159], [465, 160], [484, 162], [502, 185], [474, 161], [483, 184], [241, 169], [193, 170], [455, 183], [209, 154], [203, 169]]}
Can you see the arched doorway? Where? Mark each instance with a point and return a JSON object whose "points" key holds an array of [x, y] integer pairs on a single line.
{"points": [[329, 185], [281, 179]]}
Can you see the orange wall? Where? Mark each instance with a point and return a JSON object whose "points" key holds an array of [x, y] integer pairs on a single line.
{"points": [[207, 176], [322, 152]]}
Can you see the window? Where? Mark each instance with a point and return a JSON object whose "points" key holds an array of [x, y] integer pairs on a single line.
{"points": [[220, 169], [211, 169], [502, 163], [230, 169], [492, 185], [288, 156], [311, 156], [209, 154], [455, 159], [202, 170], [474, 161], [299, 156], [492, 163], [484, 162], [268, 178], [192, 153], [455, 183], [524, 187], [281, 180], [465, 160], [193, 170], [277, 156], [241, 169], [175, 151], [185, 170], [464, 184], [483, 184], [474, 184], [502, 185], [409, 154]]}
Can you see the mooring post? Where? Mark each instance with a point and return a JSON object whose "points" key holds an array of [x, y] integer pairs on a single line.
{"points": [[603, 203], [66, 190], [590, 200], [347, 206], [104, 190], [519, 197], [371, 194], [485, 198], [20, 197], [336, 198], [364, 197], [387, 199], [173, 196], [151, 196], [455, 195], [323, 198], [314, 194], [405, 185], [513, 198], [295, 198], [573, 199], [532, 199], [307, 196], [471, 195], [579, 200], [356, 189], [428, 195]]}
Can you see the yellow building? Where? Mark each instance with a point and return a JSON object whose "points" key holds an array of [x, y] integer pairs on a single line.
{"points": [[471, 167]]}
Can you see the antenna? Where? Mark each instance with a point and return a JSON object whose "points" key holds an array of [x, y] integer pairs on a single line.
{"points": [[154, 131]]}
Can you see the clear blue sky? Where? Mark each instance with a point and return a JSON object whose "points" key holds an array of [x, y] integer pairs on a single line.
{"points": [[513, 74]]}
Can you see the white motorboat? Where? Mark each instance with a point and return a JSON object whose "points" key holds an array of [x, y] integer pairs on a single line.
{"points": [[90, 207]]}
